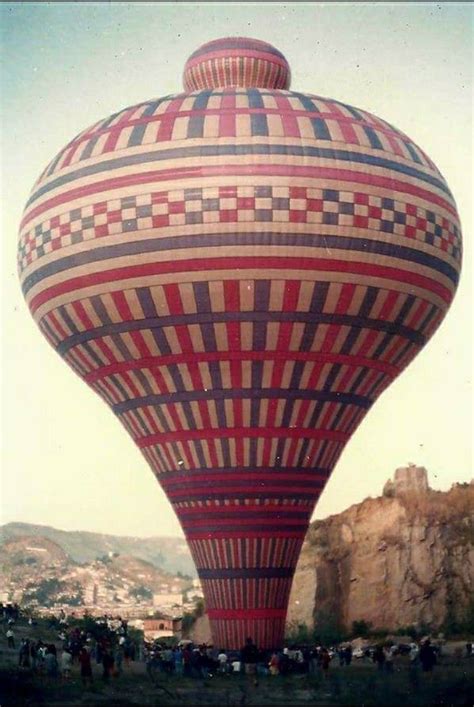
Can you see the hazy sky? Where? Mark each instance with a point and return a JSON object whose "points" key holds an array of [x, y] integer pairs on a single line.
{"points": [[66, 460]]}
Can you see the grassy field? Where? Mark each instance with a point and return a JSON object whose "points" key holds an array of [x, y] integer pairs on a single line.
{"points": [[359, 684], [451, 683]]}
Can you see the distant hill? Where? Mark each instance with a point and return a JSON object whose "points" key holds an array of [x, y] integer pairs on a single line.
{"points": [[38, 572], [170, 554]]}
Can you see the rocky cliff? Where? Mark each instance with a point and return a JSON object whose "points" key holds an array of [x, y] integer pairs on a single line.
{"points": [[402, 559]]}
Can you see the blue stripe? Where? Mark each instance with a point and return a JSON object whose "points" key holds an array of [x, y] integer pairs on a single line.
{"points": [[249, 239], [238, 150], [214, 317], [244, 572], [234, 471], [243, 394]]}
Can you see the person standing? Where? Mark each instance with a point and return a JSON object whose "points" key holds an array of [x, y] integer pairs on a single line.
{"points": [[33, 655], [348, 655], [10, 638], [66, 663], [86, 666], [107, 664], [379, 657], [51, 663], [274, 664], [325, 660], [388, 653], [427, 656], [249, 656]]}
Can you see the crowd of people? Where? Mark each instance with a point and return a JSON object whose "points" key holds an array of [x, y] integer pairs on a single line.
{"points": [[202, 661], [106, 643]]}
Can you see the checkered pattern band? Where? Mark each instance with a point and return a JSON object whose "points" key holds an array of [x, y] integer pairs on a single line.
{"points": [[239, 274]]}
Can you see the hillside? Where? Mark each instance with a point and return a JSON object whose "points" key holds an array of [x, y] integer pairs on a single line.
{"points": [[168, 553], [36, 571], [401, 559]]}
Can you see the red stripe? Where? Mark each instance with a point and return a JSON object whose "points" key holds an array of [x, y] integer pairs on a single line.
{"points": [[233, 614], [287, 170], [227, 122], [244, 476], [197, 522], [249, 53], [236, 432], [285, 492], [223, 534], [345, 122], [242, 508], [246, 262]]}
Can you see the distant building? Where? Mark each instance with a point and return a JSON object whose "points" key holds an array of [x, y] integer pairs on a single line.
{"points": [[90, 595], [407, 479], [162, 627]]}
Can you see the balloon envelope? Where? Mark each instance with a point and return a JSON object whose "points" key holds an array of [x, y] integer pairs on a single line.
{"points": [[239, 271]]}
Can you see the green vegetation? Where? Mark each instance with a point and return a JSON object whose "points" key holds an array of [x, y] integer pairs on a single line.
{"points": [[44, 593], [19, 560], [189, 619], [141, 592], [459, 624], [361, 628], [186, 577]]}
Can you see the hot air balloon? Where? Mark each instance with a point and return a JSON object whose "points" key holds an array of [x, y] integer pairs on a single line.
{"points": [[239, 271]]}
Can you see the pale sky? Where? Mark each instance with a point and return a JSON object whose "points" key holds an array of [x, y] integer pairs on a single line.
{"points": [[66, 460]]}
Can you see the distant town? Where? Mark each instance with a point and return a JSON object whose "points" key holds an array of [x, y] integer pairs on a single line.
{"points": [[39, 575]]}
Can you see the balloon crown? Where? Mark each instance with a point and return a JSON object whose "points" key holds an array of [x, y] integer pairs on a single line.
{"points": [[236, 61]]}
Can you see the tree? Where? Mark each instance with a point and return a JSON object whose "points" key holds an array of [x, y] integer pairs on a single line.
{"points": [[299, 634], [361, 628], [328, 629], [141, 592]]}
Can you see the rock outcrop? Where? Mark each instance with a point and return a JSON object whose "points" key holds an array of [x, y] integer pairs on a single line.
{"points": [[402, 559]]}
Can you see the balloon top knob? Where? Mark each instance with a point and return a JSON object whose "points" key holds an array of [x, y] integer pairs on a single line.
{"points": [[238, 62]]}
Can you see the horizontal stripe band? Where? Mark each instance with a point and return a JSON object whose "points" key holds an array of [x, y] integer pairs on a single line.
{"points": [[254, 477], [239, 43], [122, 274], [242, 528], [242, 394], [244, 533], [245, 572], [248, 239], [254, 522], [88, 140], [246, 614], [243, 510], [240, 491], [284, 113], [211, 356], [247, 472], [174, 320], [221, 56], [221, 486], [240, 433], [288, 171], [220, 150]]}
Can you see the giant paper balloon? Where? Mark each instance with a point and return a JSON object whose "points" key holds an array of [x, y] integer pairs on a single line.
{"points": [[239, 271]]}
